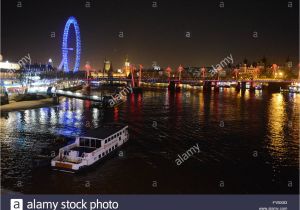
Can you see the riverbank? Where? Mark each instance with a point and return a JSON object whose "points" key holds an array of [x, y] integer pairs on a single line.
{"points": [[22, 105]]}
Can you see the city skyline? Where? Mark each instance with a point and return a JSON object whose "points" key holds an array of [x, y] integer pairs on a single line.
{"points": [[152, 104], [204, 32]]}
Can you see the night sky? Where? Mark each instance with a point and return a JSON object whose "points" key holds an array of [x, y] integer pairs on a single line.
{"points": [[153, 34]]}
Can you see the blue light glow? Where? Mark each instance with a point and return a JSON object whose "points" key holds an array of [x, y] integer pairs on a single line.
{"points": [[65, 47]]}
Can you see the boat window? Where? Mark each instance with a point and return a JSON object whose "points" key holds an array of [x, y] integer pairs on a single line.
{"points": [[99, 156], [105, 141], [87, 142], [81, 142], [98, 144], [103, 154], [93, 143]]}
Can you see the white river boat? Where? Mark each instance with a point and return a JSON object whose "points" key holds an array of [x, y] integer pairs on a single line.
{"points": [[90, 148]]}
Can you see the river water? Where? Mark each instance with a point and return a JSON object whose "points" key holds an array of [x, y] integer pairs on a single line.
{"points": [[249, 143]]}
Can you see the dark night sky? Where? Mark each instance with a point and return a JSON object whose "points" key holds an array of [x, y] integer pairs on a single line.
{"points": [[153, 34]]}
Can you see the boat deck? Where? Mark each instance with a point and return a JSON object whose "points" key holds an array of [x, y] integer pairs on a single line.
{"points": [[83, 149]]}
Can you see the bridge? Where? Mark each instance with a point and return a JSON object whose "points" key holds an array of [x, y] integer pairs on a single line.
{"points": [[186, 80], [175, 83]]}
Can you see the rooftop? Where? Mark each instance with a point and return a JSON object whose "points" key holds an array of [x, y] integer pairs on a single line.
{"points": [[104, 131]]}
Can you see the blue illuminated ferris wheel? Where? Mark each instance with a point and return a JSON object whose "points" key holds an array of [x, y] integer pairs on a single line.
{"points": [[66, 48]]}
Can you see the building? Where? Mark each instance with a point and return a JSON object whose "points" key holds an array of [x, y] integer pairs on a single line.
{"points": [[250, 72], [126, 67], [107, 71], [9, 70]]}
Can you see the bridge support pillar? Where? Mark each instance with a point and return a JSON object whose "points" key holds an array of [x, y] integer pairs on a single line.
{"points": [[55, 100], [252, 86], [207, 85], [243, 85], [238, 86], [172, 86]]}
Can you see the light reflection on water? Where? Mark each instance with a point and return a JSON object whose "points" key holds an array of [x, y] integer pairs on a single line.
{"points": [[263, 122], [276, 124], [283, 127]]}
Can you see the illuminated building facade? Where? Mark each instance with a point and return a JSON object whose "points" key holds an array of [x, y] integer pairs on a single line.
{"points": [[127, 67]]}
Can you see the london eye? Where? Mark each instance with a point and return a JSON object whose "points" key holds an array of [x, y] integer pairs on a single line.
{"points": [[66, 48]]}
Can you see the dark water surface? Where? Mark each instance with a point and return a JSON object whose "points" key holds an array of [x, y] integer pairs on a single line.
{"points": [[249, 144]]}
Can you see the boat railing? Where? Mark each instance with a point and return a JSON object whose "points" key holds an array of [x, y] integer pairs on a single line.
{"points": [[68, 158], [67, 148]]}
